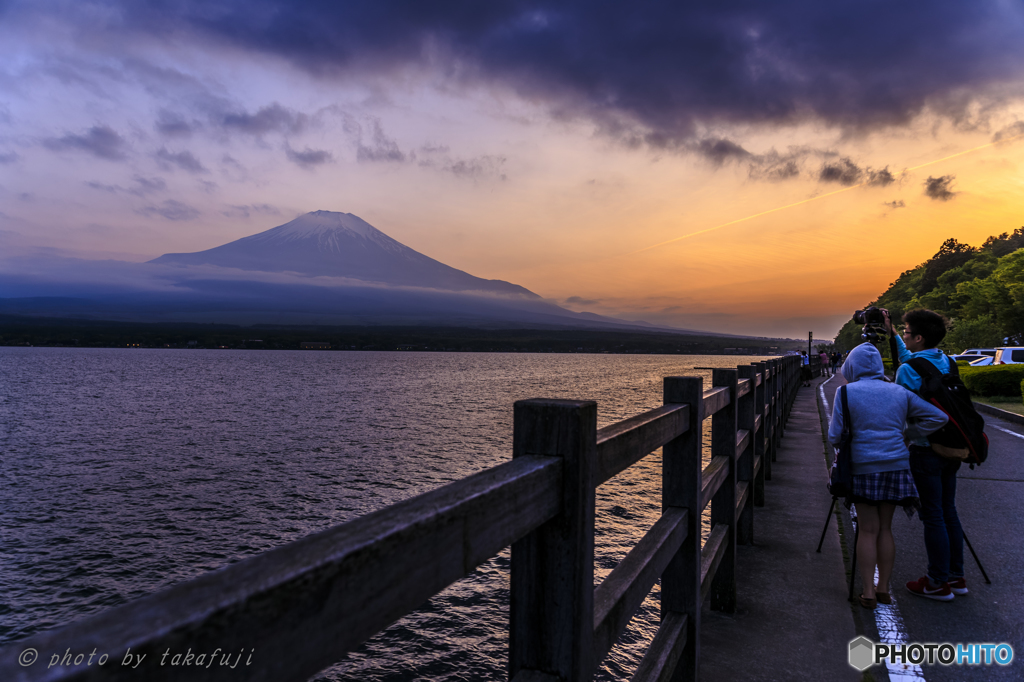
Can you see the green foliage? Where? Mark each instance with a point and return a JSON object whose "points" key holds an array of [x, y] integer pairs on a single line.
{"points": [[994, 379], [981, 332], [1022, 390], [1004, 243], [979, 290]]}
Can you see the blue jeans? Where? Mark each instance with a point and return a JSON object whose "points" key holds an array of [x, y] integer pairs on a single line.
{"points": [[935, 478]]}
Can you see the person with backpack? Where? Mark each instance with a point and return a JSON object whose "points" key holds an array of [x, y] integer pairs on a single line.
{"points": [[934, 474], [879, 412]]}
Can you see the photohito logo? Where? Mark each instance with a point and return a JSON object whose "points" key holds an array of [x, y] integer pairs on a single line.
{"points": [[864, 653]]}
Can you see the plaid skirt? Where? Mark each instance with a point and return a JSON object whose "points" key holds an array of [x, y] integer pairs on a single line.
{"points": [[895, 487]]}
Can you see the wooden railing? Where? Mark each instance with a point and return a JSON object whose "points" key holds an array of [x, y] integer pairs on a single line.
{"points": [[288, 613]]}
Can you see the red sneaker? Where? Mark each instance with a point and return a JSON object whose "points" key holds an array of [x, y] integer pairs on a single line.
{"points": [[923, 587], [958, 586]]}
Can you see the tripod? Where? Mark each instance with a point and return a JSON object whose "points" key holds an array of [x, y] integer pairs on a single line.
{"points": [[856, 534]]}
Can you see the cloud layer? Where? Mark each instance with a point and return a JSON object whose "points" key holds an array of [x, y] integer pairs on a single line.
{"points": [[647, 71]]}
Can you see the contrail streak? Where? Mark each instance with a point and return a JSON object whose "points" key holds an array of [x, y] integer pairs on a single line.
{"points": [[820, 196]]}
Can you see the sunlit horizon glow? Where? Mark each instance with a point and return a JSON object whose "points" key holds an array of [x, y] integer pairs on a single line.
{"points": [[771, 203]]}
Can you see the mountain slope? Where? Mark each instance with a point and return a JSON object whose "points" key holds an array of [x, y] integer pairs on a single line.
{"points": [[327, 243]]}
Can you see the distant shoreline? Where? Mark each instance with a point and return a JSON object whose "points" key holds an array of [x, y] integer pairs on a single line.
{"points": [[51, 332]]}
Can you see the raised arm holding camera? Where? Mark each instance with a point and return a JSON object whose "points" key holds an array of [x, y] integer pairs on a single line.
{"points": [[934, 475]]}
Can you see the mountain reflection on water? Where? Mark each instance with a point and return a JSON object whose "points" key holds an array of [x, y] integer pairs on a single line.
{"points": [[126, 471]]}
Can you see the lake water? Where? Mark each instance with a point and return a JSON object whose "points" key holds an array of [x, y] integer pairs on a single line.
{"points": [[125, 471]]}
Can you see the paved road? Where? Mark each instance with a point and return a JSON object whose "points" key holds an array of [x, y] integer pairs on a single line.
{"points": [[990, 502]]}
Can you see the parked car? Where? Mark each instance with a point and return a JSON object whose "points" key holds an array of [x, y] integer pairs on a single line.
{"points": [[966, 357], [1009, 355], [991, 352], [982, 361]]}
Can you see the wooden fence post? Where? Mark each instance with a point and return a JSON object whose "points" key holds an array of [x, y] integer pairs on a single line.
{"points": [[552, 581], [760, 442], [745, 410], [723, 504], [779, 392], [681, 487]]}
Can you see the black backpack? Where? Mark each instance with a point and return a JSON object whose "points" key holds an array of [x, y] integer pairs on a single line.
{"points": [[963, 436]]}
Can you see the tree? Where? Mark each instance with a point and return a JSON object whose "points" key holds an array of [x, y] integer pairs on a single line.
{"points": [[980, 332], [952, 254]]}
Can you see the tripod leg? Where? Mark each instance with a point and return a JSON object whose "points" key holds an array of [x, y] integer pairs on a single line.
{"points": [[976, 560], [853, 564], [827, 519]]}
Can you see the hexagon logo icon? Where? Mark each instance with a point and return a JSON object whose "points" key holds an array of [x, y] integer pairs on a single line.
{"points": [[862, 653]]}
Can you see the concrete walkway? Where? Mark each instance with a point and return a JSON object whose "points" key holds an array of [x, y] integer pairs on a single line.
{"points": [[990, 504], [793, 620]]}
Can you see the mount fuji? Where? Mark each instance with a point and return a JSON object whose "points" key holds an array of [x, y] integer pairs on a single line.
{"points": [[324, 269], [327, 243]]}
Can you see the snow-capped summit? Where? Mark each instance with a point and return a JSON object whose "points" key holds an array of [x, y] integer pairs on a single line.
{"points": [[324, 223], [328, 243]]}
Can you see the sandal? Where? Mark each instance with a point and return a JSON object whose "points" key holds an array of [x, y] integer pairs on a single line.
{"points": [[868, 604], [883, 597]]}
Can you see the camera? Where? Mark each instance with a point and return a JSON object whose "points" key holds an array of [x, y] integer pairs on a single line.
{"points": [[873, 320]]}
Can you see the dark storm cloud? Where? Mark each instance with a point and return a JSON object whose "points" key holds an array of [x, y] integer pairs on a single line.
{"points": [[647, 71], [844, 171], [273, 118], [719, 150], [774, 166], [141, 187], [375, 145], [309, 158], [481, 167], [100, 141], [173, 125], [249, 209], [939, 188], [183, 160], [880, 178], [170, 209], [1010, 132]]}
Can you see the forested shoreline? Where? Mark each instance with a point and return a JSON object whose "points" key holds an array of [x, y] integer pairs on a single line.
{"points": [[979, 289]]}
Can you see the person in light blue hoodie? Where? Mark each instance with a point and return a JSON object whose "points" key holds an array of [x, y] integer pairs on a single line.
{"points": [[879, 412]]}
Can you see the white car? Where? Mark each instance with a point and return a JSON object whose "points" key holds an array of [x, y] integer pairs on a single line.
{"points": [[982, 361], [1009, 355], [991, 352]]}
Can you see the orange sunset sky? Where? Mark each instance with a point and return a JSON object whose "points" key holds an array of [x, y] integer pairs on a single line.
{"points": [[773, 202]]}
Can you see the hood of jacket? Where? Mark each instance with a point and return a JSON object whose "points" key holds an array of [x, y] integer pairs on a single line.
{"points": [[864, 362]]}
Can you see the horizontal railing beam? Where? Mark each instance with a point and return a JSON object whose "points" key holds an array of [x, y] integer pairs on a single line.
{"points": [[619, 596], [742, 441], [662, 656], [714, 473], [711, 556], [624, 443], [303, 605], [742, 490], [715, 399], [743, 387]]}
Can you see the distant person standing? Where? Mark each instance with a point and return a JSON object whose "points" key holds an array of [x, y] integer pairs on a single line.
{"points": [[934, 475], [823, 356], [837, 359], [805, 368]]}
